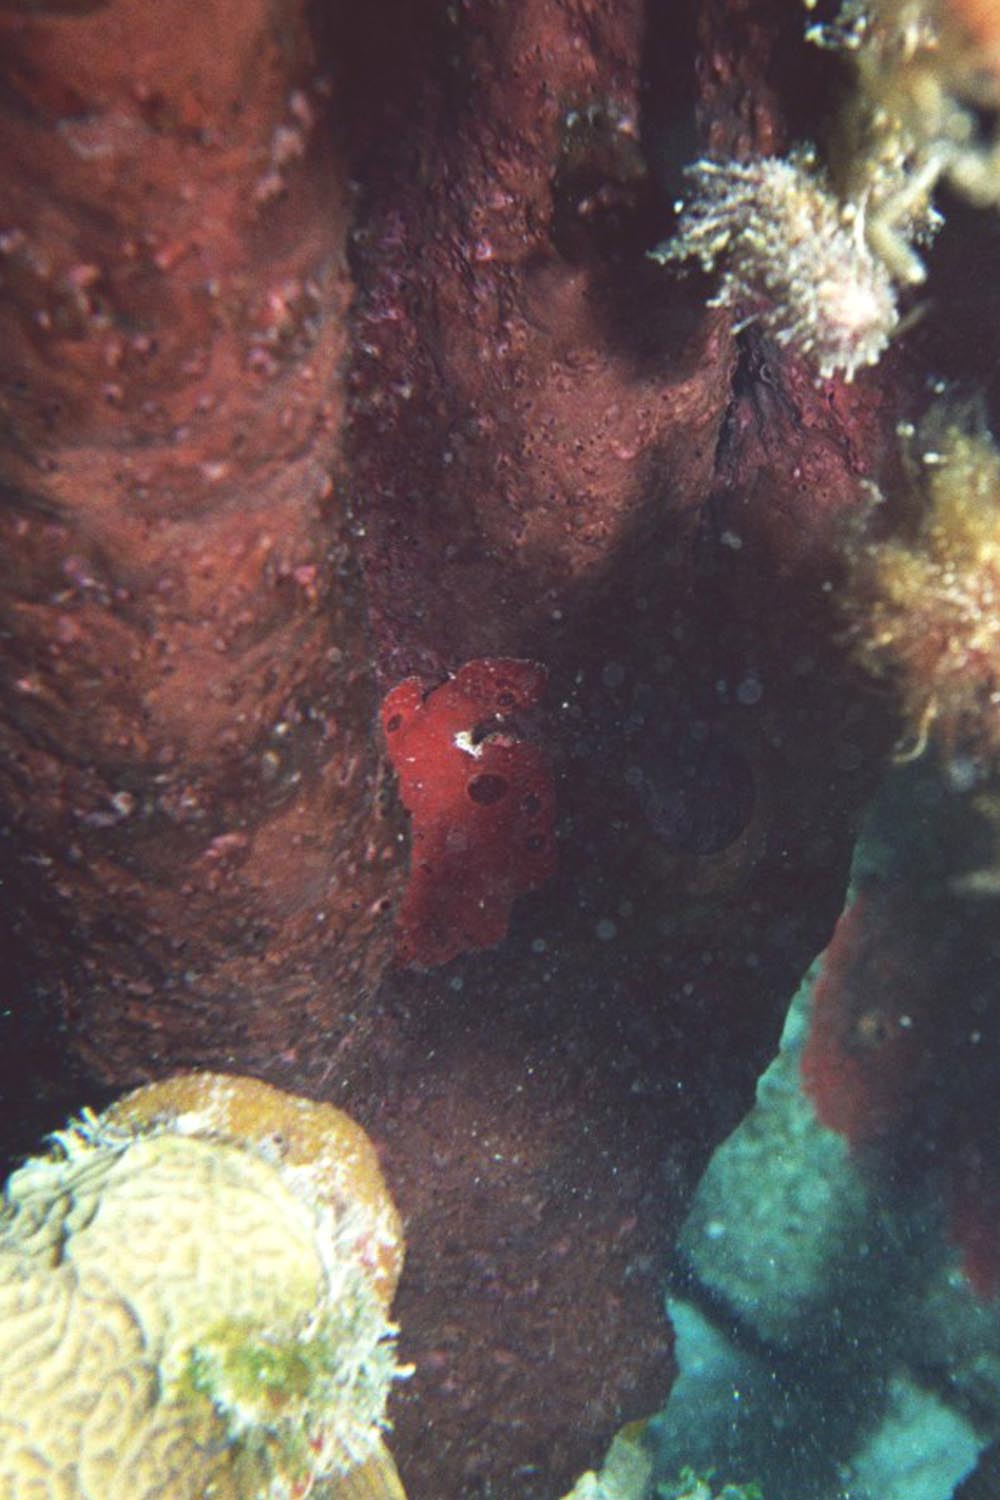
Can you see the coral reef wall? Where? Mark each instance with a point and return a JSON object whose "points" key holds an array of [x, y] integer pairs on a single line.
{"points": [[334, 363]]}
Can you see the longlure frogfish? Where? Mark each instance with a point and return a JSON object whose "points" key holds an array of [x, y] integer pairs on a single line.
{"points": [[481, 806]]}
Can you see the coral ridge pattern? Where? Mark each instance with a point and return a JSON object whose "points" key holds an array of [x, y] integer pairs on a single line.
{"points": [[193, 1301]]}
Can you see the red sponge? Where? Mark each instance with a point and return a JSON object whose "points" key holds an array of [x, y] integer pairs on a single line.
{"points": [[868, 1050], [481, 805]]}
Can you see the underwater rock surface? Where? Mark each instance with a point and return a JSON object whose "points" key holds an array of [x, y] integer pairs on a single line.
{"points": [[827, 1337]]}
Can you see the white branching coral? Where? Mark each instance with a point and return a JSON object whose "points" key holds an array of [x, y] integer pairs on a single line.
{"points": [[817, 255], [791, 256]]}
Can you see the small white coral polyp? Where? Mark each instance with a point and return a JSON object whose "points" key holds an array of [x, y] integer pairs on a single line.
{"points": [[791, 257]]}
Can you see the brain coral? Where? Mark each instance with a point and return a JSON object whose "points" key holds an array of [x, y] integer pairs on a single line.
{"points": [[194, 1293]]}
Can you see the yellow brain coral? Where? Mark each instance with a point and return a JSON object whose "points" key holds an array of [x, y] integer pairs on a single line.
{"points": [[194, 1295]]}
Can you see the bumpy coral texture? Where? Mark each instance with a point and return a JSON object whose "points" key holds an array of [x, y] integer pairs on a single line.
{"points": [[924, 607], [481, 803], [193, 1301]]}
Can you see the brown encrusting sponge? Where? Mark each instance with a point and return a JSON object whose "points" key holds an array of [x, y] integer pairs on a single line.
{"points": [[185, 723]]}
